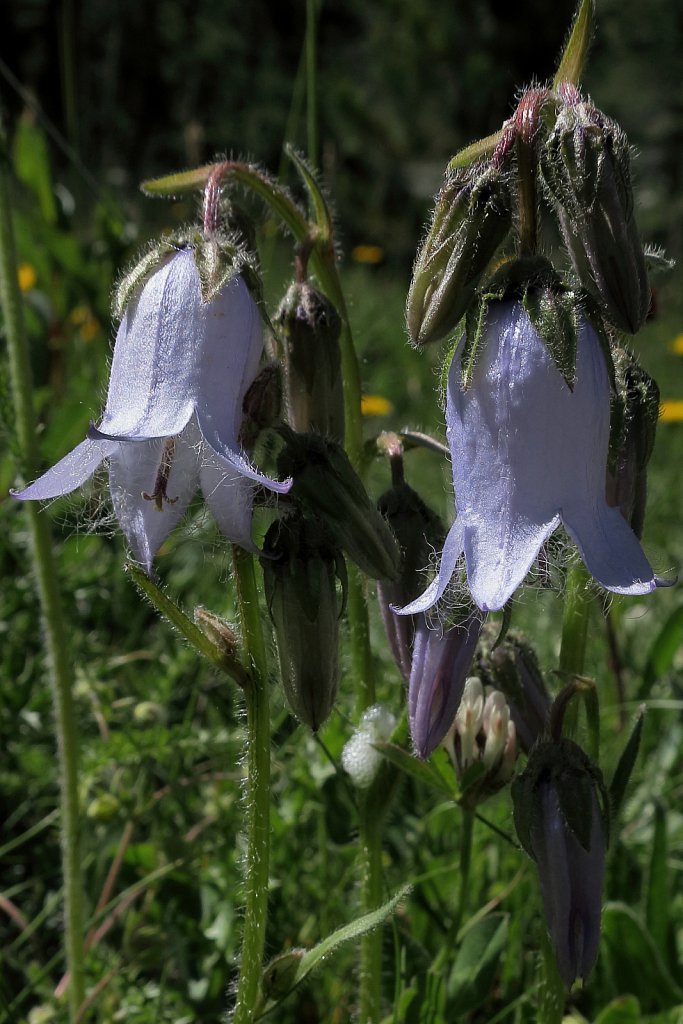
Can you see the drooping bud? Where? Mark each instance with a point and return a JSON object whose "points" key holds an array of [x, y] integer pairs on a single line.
{"points": [[512, 667], [586, 164], [300, 568], [472, 216], [419, 531], [360, 759], [634, 423], [329, 488], [219, 630], [441, 661], [482, 735], [311, 327], [560, 810]]}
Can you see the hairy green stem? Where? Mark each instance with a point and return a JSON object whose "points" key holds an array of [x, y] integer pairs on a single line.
{"points": [[577, 604], [257, 791], [54, 630], [466, 836]]}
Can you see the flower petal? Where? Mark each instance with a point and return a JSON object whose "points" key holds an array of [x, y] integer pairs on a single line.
{"points": [[133, 471], [241, 464], [155, 373], [452, 550], [610, 549], [69, 473], [229, 494]]}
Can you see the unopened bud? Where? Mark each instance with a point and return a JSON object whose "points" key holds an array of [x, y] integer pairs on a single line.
{"points": [[513, 668], [586, 164], [300, 569], [262, 405], [217, 629], [419, 531], [636, 413], [329, 488], [482, 734], [311, 327], [472, 216], [560, 810]]}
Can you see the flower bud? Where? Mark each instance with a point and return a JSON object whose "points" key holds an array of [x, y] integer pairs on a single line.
{"points": [[441, 661], [512, 668], [261, 405], [472, 216], [419, 531], [586, 165], [329, 488], [560, 810], [635, 416], [300, 569], [311, 327], [482, 734], [360, 759]]}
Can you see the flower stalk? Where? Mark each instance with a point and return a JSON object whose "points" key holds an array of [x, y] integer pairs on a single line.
{"points": [[54, 630], [257, 790]]}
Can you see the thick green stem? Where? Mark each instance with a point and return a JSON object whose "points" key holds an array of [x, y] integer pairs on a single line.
{"points": [[257, 791], [56, 636], [370, 852]]}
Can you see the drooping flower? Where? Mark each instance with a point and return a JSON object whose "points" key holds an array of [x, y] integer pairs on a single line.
{"points": [[180, 371], [529, 454]]}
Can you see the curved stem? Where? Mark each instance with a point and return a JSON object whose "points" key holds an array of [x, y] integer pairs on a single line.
{"points": [[54, 630], [257, 791]]}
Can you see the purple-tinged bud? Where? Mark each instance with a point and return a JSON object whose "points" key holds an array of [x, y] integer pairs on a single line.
{"points": [[512, 667], [441, 662], [328, 487], [586, 164], [482, 737], [472, 216], [300, 569], [560, 810], [311, 327], [634, 423], [419, 532]]}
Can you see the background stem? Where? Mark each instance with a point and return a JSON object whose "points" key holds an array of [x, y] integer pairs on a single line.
{"points": [[257, 791], [54, 629]]}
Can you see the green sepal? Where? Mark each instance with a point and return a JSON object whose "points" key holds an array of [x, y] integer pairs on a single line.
{"points": [[133, 279], [573, 57], [173, 185], [475, 151], [219, 259], [475, 324], [553, 316]]}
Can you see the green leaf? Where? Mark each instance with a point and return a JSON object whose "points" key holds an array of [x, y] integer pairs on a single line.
{"points": [[573, 58], [321, 210], [622, 774], [471, 980], [637, 966], [306, 962], [623, 1010], [664, 649], [172, 185], [475, 151], [194, 636], [420, 770]]}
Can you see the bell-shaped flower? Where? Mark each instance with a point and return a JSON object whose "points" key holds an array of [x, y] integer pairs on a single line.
{"points": [[180, 371], [529, 454]]}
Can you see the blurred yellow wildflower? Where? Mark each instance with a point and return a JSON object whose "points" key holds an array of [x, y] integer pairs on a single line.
{"points": [[367, 254], [85, 322], [27, 277], [672, 410], [677, 345], [375, 405]]}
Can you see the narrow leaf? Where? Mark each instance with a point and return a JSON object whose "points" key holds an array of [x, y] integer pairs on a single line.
{"points": [[321, 210], [657, 897], [475, 151], [471, 979], [172, 185], [574, 56], [635, 960], [194, 636], [622, 774], [420, 770]]}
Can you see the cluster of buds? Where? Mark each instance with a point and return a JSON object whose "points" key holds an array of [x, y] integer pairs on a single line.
{"points": [[482, 742]]}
